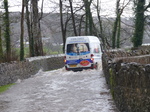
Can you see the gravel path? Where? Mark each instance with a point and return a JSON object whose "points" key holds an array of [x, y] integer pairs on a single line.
{"points": [[59, 91]]}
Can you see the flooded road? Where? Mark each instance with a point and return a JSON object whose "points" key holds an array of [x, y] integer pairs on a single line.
{"points": [[59, 91]]}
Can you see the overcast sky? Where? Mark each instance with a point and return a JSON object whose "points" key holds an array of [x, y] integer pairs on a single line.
{"points": [[107, 6], [16, 4]]}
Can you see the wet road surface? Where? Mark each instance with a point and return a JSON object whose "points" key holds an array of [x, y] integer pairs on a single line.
{"points": [[59, 91]]}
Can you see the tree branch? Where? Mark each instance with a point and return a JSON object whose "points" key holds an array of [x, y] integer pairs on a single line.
{"points": [[147, 7]]}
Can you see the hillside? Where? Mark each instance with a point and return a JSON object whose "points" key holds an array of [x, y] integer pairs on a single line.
{"points": [[50, 28], [51, 31]]}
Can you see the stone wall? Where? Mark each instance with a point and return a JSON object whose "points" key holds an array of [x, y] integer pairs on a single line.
{"points": [[11, 72], [129, 81]]}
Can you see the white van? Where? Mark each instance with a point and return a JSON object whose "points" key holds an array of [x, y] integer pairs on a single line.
{"points": [[82, 52]]}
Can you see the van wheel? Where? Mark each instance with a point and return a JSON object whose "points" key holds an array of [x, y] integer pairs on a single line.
{"points": [[66, 68], [96, 66]]}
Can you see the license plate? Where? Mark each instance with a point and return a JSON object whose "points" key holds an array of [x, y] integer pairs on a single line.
{"points": [[72, 65]]}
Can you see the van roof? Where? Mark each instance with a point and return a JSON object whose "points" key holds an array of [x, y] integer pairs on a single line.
{"points": [[82, 39]]}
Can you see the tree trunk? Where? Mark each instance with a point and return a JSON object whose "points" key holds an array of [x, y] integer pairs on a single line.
{"points": [[40, 40], [114, 33], [1, 48], [38, 48], [7, 31], [88, 18], [22, 33], [118, 31], [73, 20], [101, 33], [80, 25], [139, 24], [29, 28], [63, 26]]}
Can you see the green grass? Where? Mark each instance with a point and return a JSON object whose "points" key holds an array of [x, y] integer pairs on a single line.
{"points": [[26, 51], [5, 87], [47, 51]]}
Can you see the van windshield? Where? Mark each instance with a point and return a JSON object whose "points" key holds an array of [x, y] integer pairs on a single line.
{"points": [[78, 49]]}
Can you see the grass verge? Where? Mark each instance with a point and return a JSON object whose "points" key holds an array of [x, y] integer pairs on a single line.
{"points": [[5, 87]]}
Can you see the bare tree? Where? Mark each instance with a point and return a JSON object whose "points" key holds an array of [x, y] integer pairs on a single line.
{"points": [[7, 31], [38, 47], [100, 32], [137, 38], [88, 18], [22, 32], [73, 19], [117, 24], [63, 23], [29, 28], [1, 47]]}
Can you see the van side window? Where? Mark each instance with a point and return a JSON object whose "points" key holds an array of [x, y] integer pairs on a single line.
{"points": [[96, 48]]}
